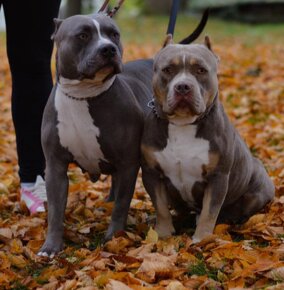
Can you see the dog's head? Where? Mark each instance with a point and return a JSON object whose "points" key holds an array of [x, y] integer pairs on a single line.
{"points": [[88, 47], [185, 80]]}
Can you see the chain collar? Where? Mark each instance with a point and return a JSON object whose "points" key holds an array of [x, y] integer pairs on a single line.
{"points": [[151, 105], [79, 99]]}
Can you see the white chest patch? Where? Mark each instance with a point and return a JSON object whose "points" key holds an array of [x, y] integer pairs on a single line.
{"points": [[77, 131], [183, 157]]}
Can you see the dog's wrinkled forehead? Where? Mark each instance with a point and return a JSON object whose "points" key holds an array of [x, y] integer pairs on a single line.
{"points": [[106, 23], [99, 24], [185, 56]]}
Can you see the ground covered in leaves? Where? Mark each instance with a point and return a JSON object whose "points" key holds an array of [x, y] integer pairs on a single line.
{"points": [[247, 256]]}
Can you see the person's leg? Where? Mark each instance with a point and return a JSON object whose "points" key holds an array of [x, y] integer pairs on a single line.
{"points": [[29, 26]]}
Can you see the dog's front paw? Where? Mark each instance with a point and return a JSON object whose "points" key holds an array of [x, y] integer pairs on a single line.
{"points": [[195, 239], [198, 237], [50, 249], [164, 230]]}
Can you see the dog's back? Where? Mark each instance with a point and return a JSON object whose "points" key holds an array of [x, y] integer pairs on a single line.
{"points": [[139, 75]]}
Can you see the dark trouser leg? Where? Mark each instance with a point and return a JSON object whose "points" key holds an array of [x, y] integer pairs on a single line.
{"points": [[29, 26]]}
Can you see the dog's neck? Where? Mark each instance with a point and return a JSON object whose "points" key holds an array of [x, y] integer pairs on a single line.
{"points": [[84, 89]]}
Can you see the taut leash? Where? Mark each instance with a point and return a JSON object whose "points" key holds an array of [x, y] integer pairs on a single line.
{"points": [[173, 17]]}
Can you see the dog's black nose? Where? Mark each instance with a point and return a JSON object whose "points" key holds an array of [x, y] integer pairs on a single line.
{"points": [[182, 88], [108, 51]]}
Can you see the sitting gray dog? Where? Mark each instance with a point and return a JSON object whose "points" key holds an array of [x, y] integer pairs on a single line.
{"points": [[193, 158], [94, 116]]}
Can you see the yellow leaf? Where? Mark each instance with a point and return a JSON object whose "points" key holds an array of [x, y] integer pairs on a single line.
{"points": [[152, 236]]}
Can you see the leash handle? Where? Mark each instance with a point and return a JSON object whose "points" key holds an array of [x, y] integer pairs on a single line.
{"points": [[173, 17]]}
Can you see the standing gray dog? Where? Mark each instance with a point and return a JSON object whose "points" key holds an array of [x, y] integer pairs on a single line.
{"points": [[94, 117], [193, 158]]}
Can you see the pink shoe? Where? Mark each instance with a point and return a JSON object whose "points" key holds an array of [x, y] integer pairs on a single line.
{"points": [[34, 197]]}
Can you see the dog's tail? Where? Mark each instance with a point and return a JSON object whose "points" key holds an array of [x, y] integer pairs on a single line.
{"points": [[198, 30]]}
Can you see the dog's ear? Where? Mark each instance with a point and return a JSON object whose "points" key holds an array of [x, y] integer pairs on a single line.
{"points": [[104, 6], [57, 23], [113, 11], [168, 40], [208, 44]]}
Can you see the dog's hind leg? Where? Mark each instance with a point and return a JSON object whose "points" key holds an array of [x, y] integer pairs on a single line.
{"points": [[125, 179], [261, 191]]}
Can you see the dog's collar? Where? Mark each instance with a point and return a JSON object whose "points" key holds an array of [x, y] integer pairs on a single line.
{"points": [[74, 87], [156, 109], [161, 115], [79, 99]]}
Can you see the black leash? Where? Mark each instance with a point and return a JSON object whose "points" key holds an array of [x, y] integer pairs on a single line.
{"points": [[173, 16]]}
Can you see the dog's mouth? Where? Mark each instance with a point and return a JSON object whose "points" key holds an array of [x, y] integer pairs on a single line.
{"points": [[105, 73], [100, 72], [184, 106]]}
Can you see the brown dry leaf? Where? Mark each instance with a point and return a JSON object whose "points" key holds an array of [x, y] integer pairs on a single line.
{"points": [[276, 287], [16, 246], [156, 265], [175, 285], [18, 261], [254, 221], [5, 262], [276, 274], [52, 273], [116, 285], [84, 279], [31, 255], [116, 245], [141, 251], [52, 285], [69, 285], [158, 262], [35, 245], [90, 258], [5, 233]]}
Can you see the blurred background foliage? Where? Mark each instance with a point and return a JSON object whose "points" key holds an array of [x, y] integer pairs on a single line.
{"points": [[145, 21], [252, 11]]}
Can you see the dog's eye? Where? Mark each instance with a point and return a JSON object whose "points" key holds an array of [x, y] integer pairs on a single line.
{"points": [[168, 70], [83, 36], [115, 35], [201, 71]]}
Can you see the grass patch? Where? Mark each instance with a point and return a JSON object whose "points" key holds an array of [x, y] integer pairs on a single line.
{"points": [[96, 241], [200, 269], [262, 244], [152, 29]]}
